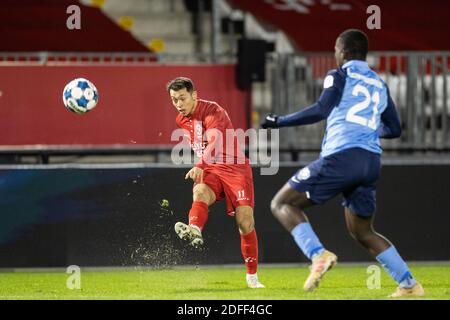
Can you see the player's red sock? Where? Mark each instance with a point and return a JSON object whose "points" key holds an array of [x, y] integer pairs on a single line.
{"points": [[249, 249], [198, 214]]}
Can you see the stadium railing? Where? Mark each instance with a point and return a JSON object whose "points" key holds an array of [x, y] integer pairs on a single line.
{"points": [[419, 83], [114, 58]]}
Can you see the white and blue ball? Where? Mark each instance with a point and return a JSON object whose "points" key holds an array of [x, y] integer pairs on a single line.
{"points": [[80, 96]]}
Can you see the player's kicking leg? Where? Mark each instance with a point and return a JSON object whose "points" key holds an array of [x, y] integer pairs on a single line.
{"points": [[249, 244], [287, 206], [361, 229], [203, 197]]}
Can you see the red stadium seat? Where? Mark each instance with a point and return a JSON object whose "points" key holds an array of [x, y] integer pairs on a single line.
{"points": [[41, 26], [404, 26]]}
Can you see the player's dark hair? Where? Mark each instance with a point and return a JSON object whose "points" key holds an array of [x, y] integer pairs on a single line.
{"points": [[355, 44], [181, 83]]}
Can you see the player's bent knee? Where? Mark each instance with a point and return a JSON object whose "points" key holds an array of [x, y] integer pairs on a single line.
{"points": [[201, 196], [203, 193], [244, 219], [274, 206], [246, 226]]}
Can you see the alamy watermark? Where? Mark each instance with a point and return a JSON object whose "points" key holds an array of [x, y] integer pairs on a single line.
{"points": [[73, 22], [305, 7], [217, 147], [74, 279], [374, 20], [374, 278]]}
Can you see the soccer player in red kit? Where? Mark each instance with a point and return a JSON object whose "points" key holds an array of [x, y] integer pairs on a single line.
{"points": [[222, 172]]}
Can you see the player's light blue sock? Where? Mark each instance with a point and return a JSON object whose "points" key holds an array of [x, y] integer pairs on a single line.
{"points": [[394, 265], [307, 240]]}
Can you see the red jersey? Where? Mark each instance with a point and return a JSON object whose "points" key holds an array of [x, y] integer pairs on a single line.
{"points": [[211, 135]]}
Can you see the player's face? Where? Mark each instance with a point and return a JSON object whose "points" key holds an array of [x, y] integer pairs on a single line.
{"points": [[339, 52], [184, 101]]}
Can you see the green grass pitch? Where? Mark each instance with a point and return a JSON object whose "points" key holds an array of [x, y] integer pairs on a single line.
{"points": [[211, 283]]}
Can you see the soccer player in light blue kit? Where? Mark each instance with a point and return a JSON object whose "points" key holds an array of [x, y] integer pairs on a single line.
{"points": [[359, 111]]}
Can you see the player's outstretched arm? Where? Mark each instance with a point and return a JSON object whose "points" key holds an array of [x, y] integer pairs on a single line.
{"points": [[329, 98], [390, 127]]}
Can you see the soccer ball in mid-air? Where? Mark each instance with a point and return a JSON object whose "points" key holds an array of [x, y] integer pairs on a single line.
{"points": [[80, 96]]}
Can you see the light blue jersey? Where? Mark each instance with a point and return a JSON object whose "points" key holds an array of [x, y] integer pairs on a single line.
{"points": [[355, 120], [359, 111]]}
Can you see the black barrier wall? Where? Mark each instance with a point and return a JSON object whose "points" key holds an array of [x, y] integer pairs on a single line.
{"points": [[113, 217]]}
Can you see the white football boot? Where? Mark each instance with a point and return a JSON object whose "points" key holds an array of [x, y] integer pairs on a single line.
{"points": [[253, 282], [415, 291], [321, 263], [188, 233]]}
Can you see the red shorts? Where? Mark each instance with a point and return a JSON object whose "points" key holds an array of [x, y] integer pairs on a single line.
{"points": [[232, 182]]}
